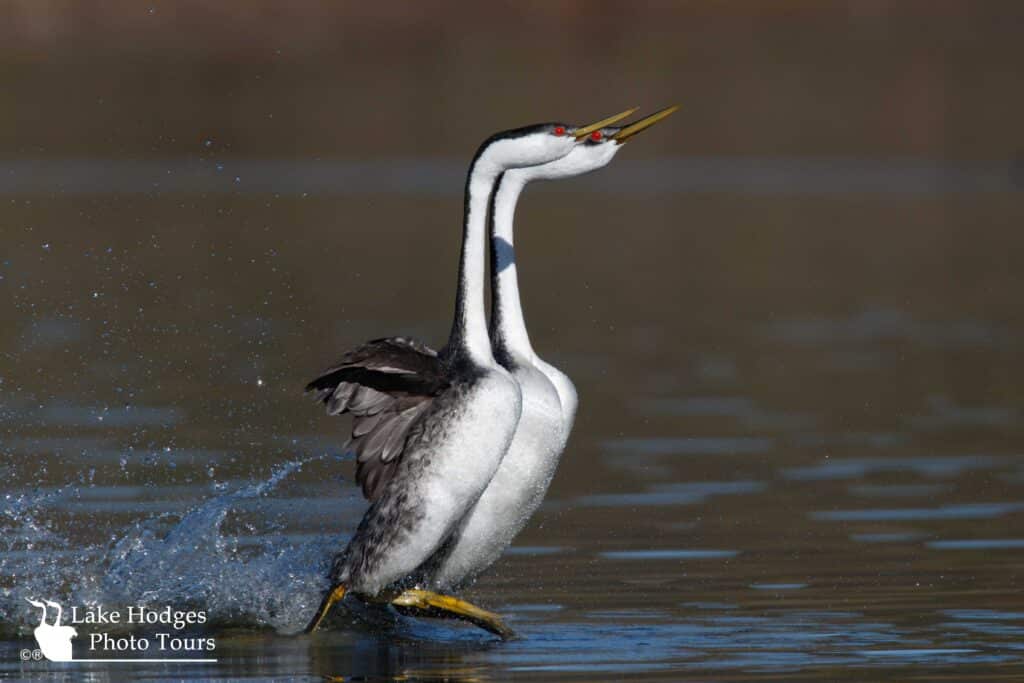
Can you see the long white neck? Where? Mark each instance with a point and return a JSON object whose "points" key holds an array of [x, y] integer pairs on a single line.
{"points": [[508, 327], [469, 329]]}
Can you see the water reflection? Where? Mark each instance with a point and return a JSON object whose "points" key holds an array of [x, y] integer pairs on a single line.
{"points": [[858, 468], [689, 445], [977, 544], [669, 554], [684, 493], [966, 511], [891, 537]]}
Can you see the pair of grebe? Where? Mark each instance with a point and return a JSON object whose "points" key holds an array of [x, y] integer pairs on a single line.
{"points": [[455, 448]]}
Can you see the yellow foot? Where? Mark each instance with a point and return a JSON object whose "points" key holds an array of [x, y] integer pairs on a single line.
{"points": [[429, 604], [335, 594]]}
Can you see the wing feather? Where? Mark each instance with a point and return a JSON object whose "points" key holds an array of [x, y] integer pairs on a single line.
{"points": [[393, 446], [386, 385], [337, 400], [365, 425]]}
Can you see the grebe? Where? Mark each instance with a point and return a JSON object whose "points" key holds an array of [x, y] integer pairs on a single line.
{"points": [[430, 428], [548, 396]]}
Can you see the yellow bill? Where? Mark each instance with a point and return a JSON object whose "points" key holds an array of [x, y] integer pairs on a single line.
{"points": [[587, 130], [643, 124]]}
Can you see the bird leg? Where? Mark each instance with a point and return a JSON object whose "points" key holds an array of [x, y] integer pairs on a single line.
{"points": [[430, 604], [333, 596]]}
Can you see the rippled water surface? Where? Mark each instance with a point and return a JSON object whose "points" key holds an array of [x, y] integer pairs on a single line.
{"points": [[799, 453], [736, 507]]}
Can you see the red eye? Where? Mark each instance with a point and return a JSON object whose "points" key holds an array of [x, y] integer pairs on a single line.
{"points": [[559, 130], [596, 135]]}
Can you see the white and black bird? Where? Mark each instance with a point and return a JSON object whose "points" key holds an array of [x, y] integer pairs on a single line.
{"points": [[548, 396], [431, 427]]}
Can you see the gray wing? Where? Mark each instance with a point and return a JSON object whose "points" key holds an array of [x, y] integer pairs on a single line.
{"points": [[386, 384]]}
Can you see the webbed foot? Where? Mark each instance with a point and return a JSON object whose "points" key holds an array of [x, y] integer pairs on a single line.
{"points": [[333, 596], [430, 604]]}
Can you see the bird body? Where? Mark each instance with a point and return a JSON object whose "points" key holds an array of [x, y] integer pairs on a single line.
{"points": [[430, 428], [450, 454], [455, 449], [515, 490]]}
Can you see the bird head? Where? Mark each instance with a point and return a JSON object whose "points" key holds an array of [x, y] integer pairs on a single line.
{"points": [[596, 147], [538, 144]]}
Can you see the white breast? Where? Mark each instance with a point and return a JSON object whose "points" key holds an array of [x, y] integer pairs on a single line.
{"points": [[518, 486], [567, 395], [460, 466]]}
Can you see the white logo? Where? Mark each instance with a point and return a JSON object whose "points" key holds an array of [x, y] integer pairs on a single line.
{"points": [[53, 639], [169, 624]]}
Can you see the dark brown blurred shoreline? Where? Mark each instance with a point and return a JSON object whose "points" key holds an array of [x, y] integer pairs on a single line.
{"points": [[937, 80]]}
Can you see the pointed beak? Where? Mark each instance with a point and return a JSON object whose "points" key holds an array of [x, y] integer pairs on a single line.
{"points": [[643, 124], [587, 130]]}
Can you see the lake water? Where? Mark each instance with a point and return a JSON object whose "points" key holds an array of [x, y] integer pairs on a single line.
{"points": [[746, 494], [799, 453]]}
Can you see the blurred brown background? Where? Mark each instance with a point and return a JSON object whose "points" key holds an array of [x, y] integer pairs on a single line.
{"points": [[341, 79]]}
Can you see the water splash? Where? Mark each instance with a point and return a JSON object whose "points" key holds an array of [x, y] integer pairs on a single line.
{"points": [[258, 581]]}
